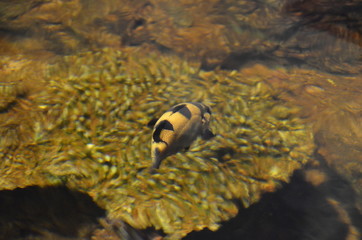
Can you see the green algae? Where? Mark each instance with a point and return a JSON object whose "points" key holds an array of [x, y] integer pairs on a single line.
{"points": [[92, 137]]}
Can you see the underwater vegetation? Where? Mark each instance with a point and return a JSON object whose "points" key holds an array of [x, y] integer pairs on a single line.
{"points": [[20, 80], [91, 135]]}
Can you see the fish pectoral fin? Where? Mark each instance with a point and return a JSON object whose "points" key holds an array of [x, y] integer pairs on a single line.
{"points": [[152, 122], [207, 134]]}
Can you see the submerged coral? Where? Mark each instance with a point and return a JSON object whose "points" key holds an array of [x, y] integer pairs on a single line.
{"points": [[93, 138]]}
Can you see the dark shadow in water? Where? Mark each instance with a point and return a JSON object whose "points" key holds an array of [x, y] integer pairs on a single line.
{"points": [[222, 152], [237, 61], [35, 211], [298, 211]]}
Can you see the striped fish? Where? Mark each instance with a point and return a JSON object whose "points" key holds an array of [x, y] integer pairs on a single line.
{"points": [[177, 128]]}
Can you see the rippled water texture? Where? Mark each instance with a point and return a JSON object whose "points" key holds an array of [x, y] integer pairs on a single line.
{"points": [[80, 80]]}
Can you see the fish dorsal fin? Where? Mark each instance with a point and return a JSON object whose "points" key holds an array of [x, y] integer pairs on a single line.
{"points": [[163, 125]]}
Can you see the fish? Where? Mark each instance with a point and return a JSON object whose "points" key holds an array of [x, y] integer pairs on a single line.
{"points": [[177, 128]]}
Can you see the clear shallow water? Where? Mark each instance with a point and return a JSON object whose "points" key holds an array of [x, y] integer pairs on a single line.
{"points": [[305, 54]]}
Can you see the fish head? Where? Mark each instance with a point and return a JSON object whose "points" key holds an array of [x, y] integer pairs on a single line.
{"points": [[206, 132]]}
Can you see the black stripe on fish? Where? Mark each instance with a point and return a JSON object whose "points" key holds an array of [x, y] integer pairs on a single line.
{"points": [[200, 106], [182, 108], [163, 125], [185, 112], [176, 108]]}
